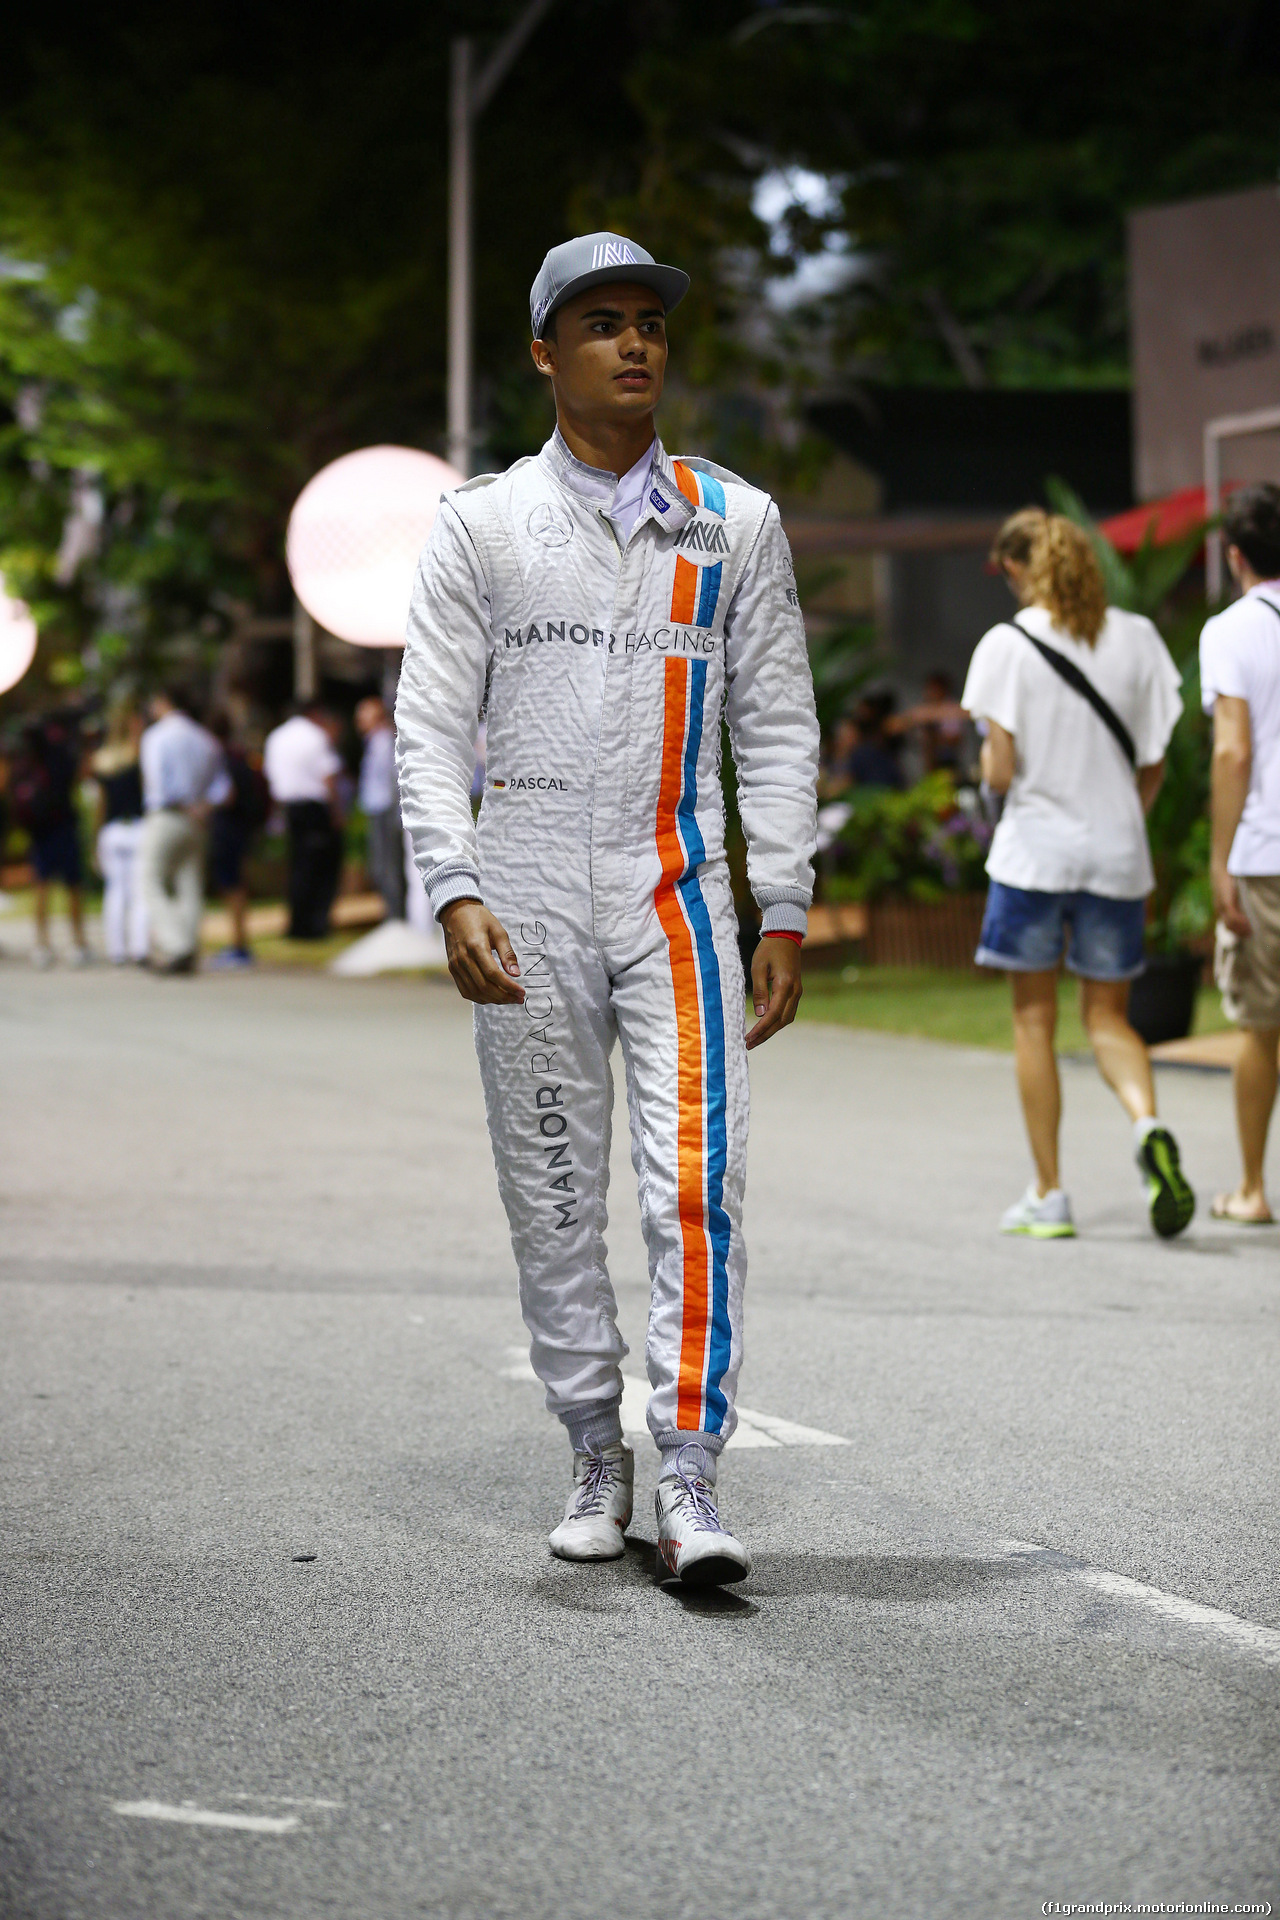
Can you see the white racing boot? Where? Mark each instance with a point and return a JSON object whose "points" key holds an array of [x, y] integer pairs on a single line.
{"points": [[691, 1542], [599, 1509]]}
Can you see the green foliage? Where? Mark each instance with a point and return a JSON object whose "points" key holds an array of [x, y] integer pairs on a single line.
{"points": [[223, 258], [843, 660], [919, 845], [969, 1009], [1181, 908], [1144, 583], [991, 153]]}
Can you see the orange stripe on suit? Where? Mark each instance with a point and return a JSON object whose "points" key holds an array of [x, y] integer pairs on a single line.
{"points": [[684, 593], [690, 1145], [687, 482]]}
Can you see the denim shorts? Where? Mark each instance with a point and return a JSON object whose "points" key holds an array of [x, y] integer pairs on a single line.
{"points": [[1026, 932]]}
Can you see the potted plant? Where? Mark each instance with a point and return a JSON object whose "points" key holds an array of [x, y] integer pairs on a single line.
{"points": [[916, 859]]}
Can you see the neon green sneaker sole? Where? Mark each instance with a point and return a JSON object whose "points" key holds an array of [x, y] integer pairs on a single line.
{"points": [[1169, 1193], [1062, 1230]]}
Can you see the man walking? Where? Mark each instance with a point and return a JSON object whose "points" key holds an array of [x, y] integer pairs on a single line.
{"points": [[302, 765], [1240, 684], [380, 804], [183, 776], [603, 605]]}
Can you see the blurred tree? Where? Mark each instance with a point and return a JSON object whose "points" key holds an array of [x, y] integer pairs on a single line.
{"points": [[222, 241], [982, 155]]}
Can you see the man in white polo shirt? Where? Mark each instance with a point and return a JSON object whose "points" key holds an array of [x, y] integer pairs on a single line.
{"points": [[302, 766], [1240, 684], [184, 775]]}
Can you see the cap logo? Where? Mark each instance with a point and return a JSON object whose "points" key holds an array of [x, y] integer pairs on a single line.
{"points": [[612, 253]]}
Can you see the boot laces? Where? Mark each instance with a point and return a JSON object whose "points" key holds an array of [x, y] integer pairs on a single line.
{"points": [[593, 1488], [693, 1492]]}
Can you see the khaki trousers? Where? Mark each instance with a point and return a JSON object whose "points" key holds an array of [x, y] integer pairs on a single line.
{"points": [[172, 858]]}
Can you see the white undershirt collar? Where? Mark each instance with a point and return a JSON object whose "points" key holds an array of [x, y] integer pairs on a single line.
{"points": [[626, 495]]}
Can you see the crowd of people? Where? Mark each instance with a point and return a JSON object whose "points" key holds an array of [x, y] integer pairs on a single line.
{"points": [[866, 746], [1066, 714], [177, 801]]}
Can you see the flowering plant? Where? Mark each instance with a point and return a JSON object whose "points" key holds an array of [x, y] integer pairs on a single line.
{"points": [[919, 845]]}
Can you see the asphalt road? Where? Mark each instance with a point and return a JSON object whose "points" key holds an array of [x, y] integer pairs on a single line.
{"points": [[275, 1498]]}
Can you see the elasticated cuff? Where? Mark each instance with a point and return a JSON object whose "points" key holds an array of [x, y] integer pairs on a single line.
{"points": [[671, 1439], [447, 884], [595, 1426], [783, 917]]}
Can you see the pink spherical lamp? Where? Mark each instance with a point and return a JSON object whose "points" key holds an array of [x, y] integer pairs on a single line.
{"points": [[17, 641], [355, 535]]}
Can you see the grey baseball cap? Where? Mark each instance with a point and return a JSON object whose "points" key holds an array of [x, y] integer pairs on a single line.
{"points": [[593, 260]]}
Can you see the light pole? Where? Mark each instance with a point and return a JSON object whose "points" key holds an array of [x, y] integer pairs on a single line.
{"points": [[468, 99]]}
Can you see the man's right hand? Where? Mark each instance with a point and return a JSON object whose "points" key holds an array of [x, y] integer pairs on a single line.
{"points": [[1226, 902], [481, 958]]}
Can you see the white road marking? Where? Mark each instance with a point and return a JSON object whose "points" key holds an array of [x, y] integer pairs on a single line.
{"points": [[202, 1817], [767, 1430], [1263, 1641], [785, 1433], [754, 1429], [283, 1800]]}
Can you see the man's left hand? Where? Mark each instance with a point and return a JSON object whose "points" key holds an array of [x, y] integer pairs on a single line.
{"points": [[775, 987]]}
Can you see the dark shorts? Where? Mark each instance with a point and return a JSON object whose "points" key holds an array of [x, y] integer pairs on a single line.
{"points": [[1026, 932], [55, 855], [228, 844]]}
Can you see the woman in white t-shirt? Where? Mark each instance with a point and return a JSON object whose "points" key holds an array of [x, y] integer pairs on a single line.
{"points": [[1069, 864]]}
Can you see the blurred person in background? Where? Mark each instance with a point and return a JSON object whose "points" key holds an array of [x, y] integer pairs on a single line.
{"points": [[862, 752], [874, 760], [836, 776], [232, 825], [304, 771], [1080, 700], [939, 720], [380, 804], [42, 801], [183, 779], [1240, 687], [116, 770]]}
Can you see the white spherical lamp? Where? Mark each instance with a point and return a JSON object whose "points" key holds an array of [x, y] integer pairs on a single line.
{"points": [[17, 641], [355, 535]]}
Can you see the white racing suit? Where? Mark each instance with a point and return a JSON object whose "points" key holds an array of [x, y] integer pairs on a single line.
{"points": [[602, 670]]}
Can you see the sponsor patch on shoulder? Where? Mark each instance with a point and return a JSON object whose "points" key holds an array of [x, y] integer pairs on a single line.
{"points": [[662, 505]]}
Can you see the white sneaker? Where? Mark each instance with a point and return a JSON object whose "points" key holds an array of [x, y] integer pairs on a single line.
{"points": [[691, 1542], [1044, 1219], [42, 958], [599, 1508], [81, 957]]}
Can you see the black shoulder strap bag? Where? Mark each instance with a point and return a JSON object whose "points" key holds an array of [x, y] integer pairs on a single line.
{"points": [[1080, 683]]}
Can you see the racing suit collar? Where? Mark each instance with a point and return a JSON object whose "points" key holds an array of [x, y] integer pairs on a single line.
{"points": [[596, 488]]}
